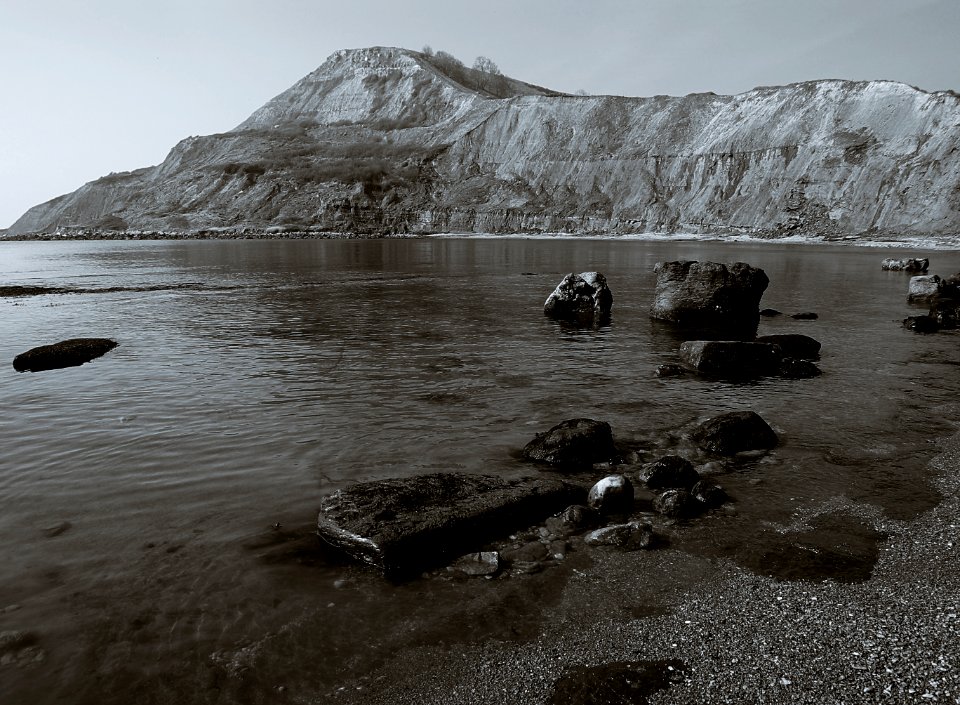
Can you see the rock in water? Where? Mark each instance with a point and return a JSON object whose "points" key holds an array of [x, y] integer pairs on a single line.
{"points": [[575, 442], [582, 298], [67, 353], [731, 358], [924, 288], [670, 471], [405, 525], [710, 295], [912, 264], [731, 433], [802, 347], [632, 535]]}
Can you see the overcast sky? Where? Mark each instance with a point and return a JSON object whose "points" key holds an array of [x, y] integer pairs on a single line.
{"points": [[90, 87]]}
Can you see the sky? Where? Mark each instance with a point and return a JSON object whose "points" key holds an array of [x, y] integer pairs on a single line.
{"points": [[99, 86]]}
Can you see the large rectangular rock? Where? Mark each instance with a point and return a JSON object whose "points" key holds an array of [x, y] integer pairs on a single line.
{"points": [[406, 525], [731, 358]]}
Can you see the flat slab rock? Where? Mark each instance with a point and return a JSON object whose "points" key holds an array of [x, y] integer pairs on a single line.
{"points": [[66, 353], [406, 525]]}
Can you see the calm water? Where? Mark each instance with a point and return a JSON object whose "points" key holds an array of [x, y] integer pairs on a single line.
{"points": [[140, 493]]}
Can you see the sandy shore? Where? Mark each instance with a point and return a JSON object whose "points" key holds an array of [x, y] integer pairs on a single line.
{"points": [[729, 636]]}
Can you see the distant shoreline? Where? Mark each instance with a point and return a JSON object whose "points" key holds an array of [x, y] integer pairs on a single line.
{"points": [[948, 242]]}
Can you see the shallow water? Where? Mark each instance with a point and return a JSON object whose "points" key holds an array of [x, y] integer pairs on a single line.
{"points": [[142, 492]]}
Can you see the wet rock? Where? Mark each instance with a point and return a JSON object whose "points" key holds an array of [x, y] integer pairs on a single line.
{"points": [[925, 288], [921, 324], [770, 312], [670, 370], [482, 563], [805, 316], [67, 353], [632, 535], [708, 494], [792, 368], [676, 503], [614, 493], [529, 552], [733, 432], [406, 525], [582, 298], [946, 312], [709, 295], [911, 264], [669, 471], [802, 347], [730, 358], [572, 443], [572, 520]]}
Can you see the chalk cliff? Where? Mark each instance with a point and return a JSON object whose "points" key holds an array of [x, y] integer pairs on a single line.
{"points": [[387, 140]]}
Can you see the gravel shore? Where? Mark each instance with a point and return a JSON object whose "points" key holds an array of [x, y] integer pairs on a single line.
{"points": [[727, 636]]}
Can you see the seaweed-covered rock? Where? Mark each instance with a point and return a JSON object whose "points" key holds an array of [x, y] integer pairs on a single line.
{"points": [[669, 471], [406, 525], [66, 353], [733, 432], [730, 358], [582, 298], [614, 493], [802, 347], [571, 443], [710, 295]]}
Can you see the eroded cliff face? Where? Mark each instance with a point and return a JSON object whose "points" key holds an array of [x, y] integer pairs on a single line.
{"points": [[388, 140]]}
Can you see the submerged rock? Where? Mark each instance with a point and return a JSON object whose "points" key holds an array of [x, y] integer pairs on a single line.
{"points": [[802, 347], [770, 312], [405, 525], [731, 358], [736, 431], [792, 368], [575, 442], [805, 316], [670, 370], [709, 295], [632, 535], [67, 353], [613, 493], [583, 298]]}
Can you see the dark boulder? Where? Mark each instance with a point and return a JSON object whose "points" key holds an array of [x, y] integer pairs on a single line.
{"points": [[913, 264], [67, 353], [709, 295], [804, 316], [736, 431], [571, 443], [792, 368], [795, 345], [631, 536], [406, 525], [921, 324], [730, 358], [708, 494], [669, 471], [582, 298], [676, 503], [670, 370], [770, 312], [946, 312], [613, 493]]}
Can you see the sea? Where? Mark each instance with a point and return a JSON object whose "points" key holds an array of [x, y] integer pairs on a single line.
{"points": [[157, 535]]}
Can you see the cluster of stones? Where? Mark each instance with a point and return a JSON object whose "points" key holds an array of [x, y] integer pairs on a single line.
{"points": [[942, 295]]}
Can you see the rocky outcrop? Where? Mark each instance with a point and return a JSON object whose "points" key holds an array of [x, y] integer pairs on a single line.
{"points": [[912, 264], [735, 432], [709, 295], [67, 353], [573, 443], [405, 525], [387, 140], [582, 298]]}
